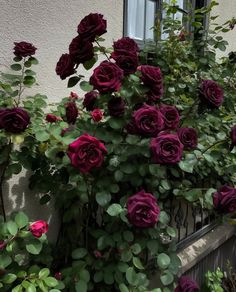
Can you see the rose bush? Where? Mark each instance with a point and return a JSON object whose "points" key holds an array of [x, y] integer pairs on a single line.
{"points": [[153, 128]]}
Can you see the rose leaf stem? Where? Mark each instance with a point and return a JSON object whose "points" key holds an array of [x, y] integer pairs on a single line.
{"points": [[102, 50], [212, 145]]}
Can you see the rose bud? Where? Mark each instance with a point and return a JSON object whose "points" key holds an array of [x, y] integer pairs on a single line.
{"points": [[65, 66], [97, 115], [90, 100], [185, 284], [91, 26], [14, 120], [224, 200], [116, 107], [58, 276], [73, 95], [52, 118], [71, 112], [211, 93], [166, 149], [38, 228], [3, 244], [97, 254], [188, 137], [86, 153], [24, 49], [143, 210]]}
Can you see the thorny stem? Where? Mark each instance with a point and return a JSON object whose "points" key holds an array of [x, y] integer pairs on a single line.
{"points": [[102, 50]]}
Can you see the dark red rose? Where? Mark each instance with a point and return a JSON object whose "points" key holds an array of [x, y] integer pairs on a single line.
{"points": [[14, 120], [170, 116], [148, 120], [155, 93], [91, 26], [166, 148], [52, 118], [38, 228], [143, 210], [90, 100], [65, 66], [24, 49], [73, 95], [58, 276], [233, 137], [116, 107], [127, 62], [151, 75], [125, 44], [71, 112], [107, 77], [97, 115], [224, 200], [86, 153], [3, 244], [80, 50], [185, 284], [211, 93], [188, 137]]}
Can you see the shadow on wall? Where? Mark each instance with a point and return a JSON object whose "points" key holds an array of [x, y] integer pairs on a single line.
{"points": [[17, 196]]}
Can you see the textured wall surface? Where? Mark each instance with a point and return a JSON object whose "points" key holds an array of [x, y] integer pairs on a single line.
{"points": [[50, 26]]}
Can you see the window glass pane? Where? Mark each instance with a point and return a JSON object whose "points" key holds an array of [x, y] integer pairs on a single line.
{"points": [[135, 19], [150, 18]]}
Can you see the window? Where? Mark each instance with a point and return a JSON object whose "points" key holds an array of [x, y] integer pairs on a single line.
{"points": [[141, 15]]}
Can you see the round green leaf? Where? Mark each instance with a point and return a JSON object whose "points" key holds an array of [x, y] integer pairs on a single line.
{"points": [[79, 253], [34, 247], [114, 210], [21, 220], [163, 260], [167, 278], [81, 286], [50, 282]]}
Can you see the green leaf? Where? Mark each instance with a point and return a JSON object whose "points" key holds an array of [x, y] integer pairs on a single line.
{"points": [[85, 86], [33, 60], [163, 260], [123, 288], [188, 165], [103, 198], [21, 220], [90, 63], [73, 81], [34, 247], [131, 276], [29, 80], [29, 72], [118, 175], [31, 288], [114, 210], [136, 248], [44, 273], [128, 236], [81, 286], [5, 261], [12, 227], [137, 263], [171, 231], [164, 218], [9, 278], [79, 253], [167, 278], [192, 195], [16, 67], [116, 123], [50, 282], [42, 136]]}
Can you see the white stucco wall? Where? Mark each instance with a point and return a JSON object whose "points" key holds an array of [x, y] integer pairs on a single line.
{"points": [[50, 25]]}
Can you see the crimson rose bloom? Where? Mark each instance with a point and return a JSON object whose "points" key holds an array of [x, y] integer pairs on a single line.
{"points": [[90, 100], [143, 210], [170, 116], [212, 93], [91, 26], [127, 62], [81, 50], [224, 199], [188, 137], [14, 120], [148, 120], [97, 115], [71, 112], [52, 118], [116, 107], [166, 149], [233, 137], [125, 44], [38, 228], [24, 49], [107, 77], [86, 153], [185, 284], [73, 95], [65, 66]]}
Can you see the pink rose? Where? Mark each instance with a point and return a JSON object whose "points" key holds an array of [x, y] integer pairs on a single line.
{"points": [[86, 153], [38, 228]]}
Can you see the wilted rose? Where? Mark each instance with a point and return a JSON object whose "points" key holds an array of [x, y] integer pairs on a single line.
{"points": [[211, 93], [24, 49], [14, 120], [143, 210], [107, 77], [86, 153], [224, 199], [188, 137], [91, 26], [38, 228], [166, 149], [65, 66], [185, 284]]}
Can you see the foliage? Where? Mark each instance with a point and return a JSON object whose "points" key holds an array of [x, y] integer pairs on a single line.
{"points": [[101, 188], [214, 281]]}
